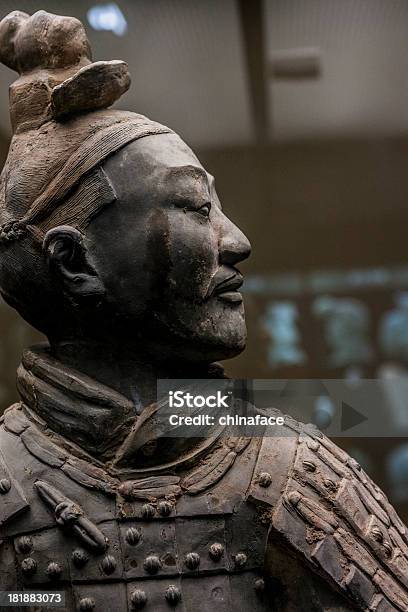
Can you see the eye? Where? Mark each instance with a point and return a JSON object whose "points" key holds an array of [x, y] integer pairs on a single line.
{"points": [[205, 210]]}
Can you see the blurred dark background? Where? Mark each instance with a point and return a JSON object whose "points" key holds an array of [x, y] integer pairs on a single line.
{"points": [[300, 109]]}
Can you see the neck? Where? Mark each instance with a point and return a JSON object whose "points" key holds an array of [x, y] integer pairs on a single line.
{"points": [[129, 372]]}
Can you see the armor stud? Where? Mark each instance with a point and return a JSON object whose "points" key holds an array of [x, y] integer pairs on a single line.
{"points": [[216, 551], [165, 508], [313, 445], [378, 536], [79, 557], [148, 511], [24, 544], [5, 486], [133, 536], [86, 604], [259, 585], [138, 599], [330, 484], [294, 497], [240, 560], [309, 466], [192, 560], [152, 564], [377, 533], [29, 566], [53, 570], [108, 565], [265, 480], [173, 595]]}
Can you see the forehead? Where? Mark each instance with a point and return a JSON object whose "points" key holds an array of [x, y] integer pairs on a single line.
{"points": [[157, 166], [167, 159], [167, 150]]}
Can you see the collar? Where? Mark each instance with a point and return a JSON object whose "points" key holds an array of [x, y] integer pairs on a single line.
{"points": [[72, 404], [95, 422]]}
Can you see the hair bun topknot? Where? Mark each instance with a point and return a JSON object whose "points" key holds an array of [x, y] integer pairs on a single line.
{"points": [[42, 41], [57, 77]]}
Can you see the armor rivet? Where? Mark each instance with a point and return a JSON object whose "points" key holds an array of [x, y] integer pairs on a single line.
{"points": [[24, 544], [165, 508], [240, 560], [133, 536], [28, 566], [108, 564], [265, 479], [216, 551], [5, 486], [148, 511], [294, 497], [217, 593], [259, 585], [192, 560], [138, 599], [377, 533], [309, 466], [53, 570], [152, 564], [173, 595], [86, 604], [313, 445], [79, 557], [330, 484]]}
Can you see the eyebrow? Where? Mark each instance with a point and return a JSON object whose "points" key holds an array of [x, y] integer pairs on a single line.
{"points": [[194, 172]]}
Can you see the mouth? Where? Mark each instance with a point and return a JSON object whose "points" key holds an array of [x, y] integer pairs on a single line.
{"points": [[228, 289]]}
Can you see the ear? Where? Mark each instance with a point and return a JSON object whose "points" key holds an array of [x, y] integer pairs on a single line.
{"points": [[70, 263]]}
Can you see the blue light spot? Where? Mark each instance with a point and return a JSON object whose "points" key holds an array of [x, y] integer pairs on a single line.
{"points": [[108, 18]]}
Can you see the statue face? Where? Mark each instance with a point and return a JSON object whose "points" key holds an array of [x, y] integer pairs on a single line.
{"points": [[167, 254]]}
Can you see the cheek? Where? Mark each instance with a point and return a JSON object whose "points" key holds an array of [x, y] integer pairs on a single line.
{"points": [[127, 275], [134, 262], [157, 261], [193, 255]]}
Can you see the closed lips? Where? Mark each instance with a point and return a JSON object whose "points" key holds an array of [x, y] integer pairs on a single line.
{"points": [[230, 284]]}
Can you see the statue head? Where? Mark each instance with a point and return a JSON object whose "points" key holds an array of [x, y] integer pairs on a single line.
{"points": [[111, 229]]}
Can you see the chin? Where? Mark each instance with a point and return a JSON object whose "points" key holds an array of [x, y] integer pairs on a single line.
{"points": [[200, 336], [218, 346], [230, 352]]}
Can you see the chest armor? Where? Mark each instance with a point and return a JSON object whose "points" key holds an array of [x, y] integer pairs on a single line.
{"points": [[61, 531], [286, 523]]}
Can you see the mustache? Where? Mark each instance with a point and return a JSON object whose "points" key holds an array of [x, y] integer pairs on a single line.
{"points": [[225, 279]]}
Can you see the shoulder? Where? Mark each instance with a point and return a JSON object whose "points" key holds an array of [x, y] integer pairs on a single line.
{"points": [[27, 456], [13, 500], [321, 504]]}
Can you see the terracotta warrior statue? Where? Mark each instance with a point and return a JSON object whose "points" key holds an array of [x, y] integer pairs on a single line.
{"points": [[114, 244]]}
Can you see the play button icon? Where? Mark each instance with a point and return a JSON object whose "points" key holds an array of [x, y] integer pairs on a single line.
{"points": [[350, 417]]}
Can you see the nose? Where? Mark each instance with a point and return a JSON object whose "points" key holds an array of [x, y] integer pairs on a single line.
{"points": [[234, 246]]}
